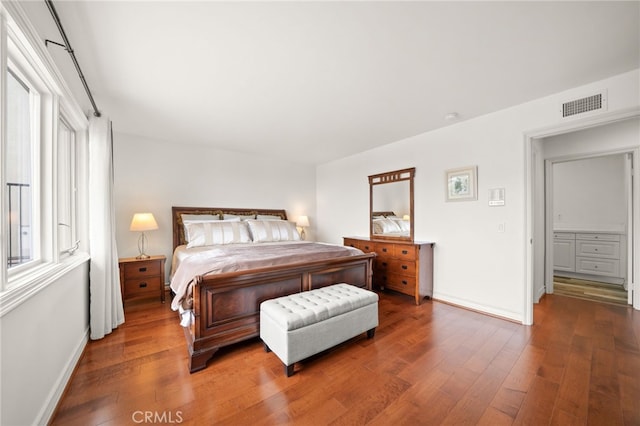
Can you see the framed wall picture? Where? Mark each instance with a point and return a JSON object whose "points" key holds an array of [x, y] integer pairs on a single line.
{"points": [[462, 184]]}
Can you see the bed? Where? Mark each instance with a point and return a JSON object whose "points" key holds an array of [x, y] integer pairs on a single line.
{"points": [[219, 302], [389, 224]]}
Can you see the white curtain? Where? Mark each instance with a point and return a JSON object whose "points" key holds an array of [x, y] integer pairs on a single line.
{"points": [[106, 311]]}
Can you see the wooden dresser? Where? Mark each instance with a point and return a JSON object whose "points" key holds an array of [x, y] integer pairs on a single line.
{"points": [[402, 266]]}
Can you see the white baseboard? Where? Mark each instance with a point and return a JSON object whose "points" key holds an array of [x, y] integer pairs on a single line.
{"points": [[47, 411], [541, 292], [489, 310]]}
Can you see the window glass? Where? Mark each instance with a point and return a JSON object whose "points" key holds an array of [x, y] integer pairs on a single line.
{"points": [[66, 187], [19, 172]]}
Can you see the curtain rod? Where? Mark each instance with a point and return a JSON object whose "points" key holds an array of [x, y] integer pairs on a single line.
{"points": [[67, 47]]}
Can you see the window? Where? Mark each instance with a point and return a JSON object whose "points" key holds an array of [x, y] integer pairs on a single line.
{"points": [[67, 189], [42, 153], [19, 162]]}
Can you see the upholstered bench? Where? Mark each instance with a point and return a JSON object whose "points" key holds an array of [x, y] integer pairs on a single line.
{"points": [[300, 325]]}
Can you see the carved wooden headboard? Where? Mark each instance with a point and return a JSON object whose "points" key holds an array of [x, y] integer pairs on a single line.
{"points": [[385, 214], [177, 212]]}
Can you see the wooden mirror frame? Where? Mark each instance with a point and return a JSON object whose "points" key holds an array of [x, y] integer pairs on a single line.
{"points": [[391, 177]]}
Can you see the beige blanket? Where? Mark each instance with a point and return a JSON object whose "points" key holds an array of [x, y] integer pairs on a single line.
{"points": [[240, 257]]}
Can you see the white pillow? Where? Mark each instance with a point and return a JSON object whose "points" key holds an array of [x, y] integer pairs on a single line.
{"points": [[402, 224], [263, 231], [213, 232], [228, 216], [385, 226]]}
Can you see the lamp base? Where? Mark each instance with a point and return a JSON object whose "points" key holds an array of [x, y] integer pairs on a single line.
{"points": [[141, 243]]}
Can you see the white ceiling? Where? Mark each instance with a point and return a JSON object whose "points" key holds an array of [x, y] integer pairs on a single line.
{"points": [[316, 81]]}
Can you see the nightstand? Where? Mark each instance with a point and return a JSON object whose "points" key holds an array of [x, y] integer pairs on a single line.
{"points": [[142, 278]]}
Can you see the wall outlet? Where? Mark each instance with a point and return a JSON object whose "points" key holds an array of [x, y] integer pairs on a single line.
{"points": [[501, 227]]}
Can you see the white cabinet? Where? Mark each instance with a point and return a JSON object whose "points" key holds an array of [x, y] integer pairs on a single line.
{"points": [[564, 251], [589, 253]]}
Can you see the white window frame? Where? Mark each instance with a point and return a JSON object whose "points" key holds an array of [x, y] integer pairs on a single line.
{"points": [[71, 190], [35, 105], [24, 51]]}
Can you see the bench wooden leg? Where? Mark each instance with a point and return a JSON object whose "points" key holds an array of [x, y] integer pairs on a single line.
{"points": [[371, 333], [266, 347], [288, 369]]}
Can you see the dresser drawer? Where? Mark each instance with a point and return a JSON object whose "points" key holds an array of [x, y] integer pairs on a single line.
{"points": [[365, 246], [384, 250], [598, 237], [597, 266], [399, 266], [607, 249], [406, 252], [564, 236], [141, 287], [401, 283], [143, 268]]}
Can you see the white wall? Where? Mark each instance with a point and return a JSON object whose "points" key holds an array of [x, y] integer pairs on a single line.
{"points": [[589, 194], [475, 265], [42, 339], [152, 176]]}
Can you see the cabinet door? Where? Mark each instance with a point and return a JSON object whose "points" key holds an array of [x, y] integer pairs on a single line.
{"points": [[564, 255]]}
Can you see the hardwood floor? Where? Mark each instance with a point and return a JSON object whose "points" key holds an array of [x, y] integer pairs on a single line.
{"points": [[590, 290], [430, 364]]}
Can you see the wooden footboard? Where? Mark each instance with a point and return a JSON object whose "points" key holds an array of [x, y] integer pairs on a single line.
{"points": [[227, 306]]}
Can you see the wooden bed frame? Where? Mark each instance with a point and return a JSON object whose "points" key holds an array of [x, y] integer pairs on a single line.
{"points": [[226, 306]]}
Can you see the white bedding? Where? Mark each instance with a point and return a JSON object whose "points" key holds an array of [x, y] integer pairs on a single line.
{"points": [[189, 263]]}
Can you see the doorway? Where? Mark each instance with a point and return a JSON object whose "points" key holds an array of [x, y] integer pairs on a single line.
{"points": [[587, 210], [538, 257]]}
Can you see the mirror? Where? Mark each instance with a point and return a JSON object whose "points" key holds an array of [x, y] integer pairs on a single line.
{"points": [[391, 205]]}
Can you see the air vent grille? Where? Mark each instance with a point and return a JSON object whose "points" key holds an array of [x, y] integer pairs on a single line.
{"points": [[579, 106]]}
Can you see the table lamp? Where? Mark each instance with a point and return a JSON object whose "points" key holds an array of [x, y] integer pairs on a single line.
{"points": [[143, 222], [302, 222]]}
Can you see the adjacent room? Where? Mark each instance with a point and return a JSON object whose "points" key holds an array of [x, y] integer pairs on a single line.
{"points": [[320, 212]]}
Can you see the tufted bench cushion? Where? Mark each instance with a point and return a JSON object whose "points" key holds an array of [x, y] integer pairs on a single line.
{"points": [[309, 307], [297, 326]]}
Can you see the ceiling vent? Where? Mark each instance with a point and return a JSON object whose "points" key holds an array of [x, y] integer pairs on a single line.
{"points": [[593, 103]]}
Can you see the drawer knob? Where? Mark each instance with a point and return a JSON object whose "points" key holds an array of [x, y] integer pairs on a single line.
{"points": [[143, 285], [405, 267], [405, 252], [366, 247], [142, 269], [384, 250], [404, 282], [384, 263], [596, 249]]}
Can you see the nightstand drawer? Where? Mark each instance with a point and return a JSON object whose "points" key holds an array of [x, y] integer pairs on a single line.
{"points": [[142, 287], [143, 268]]}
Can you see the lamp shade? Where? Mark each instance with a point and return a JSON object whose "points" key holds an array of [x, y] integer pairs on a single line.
{"points": [[143, 222], [302, 221]]}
